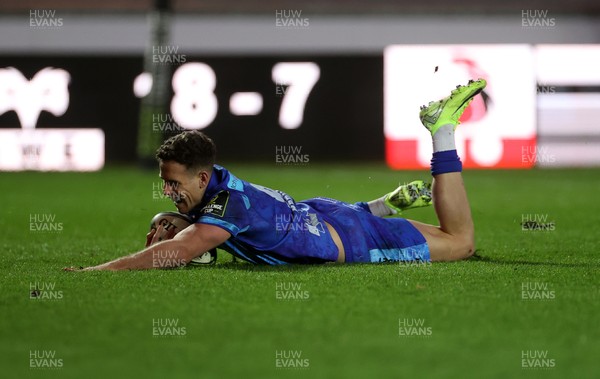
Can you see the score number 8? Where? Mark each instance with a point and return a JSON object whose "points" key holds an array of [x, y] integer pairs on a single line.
{"points": [[194, 104]]}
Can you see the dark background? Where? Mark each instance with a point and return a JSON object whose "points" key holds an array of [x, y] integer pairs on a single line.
{"points": [[343, 110]]}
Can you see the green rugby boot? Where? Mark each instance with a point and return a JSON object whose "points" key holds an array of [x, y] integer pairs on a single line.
{"points": [[412, 195], [449, 109]]}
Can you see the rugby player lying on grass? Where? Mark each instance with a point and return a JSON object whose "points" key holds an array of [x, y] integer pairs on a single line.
{"points": [[241, 217]]}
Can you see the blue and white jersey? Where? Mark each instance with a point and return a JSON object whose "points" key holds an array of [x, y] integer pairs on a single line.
{"points": [[267, 226]]}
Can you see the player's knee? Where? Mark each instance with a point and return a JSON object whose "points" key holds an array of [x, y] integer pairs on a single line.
{"points": [[466, 247], [461, 247], [446, 247]]}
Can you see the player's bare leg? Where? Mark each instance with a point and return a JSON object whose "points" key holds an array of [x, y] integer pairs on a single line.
{"points": [[454, 238]]}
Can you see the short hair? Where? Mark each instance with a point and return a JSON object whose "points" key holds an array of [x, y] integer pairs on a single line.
{"points": [[191, 148]]}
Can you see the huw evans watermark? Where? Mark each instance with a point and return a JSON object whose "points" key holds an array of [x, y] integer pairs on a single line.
{"points": [[536, 359], [414, 327], [158, 191], [291, 359], [167, 259], [291, 291], [44, 359], [167, 327], [44, 223], [281, 89], [537, 291], [44, 291], [537, 222], [537, 154], [44, 19], [414, 263], [537, 19], [295, 222], [167, 55], [164, 123], [290, 19], [290, 155], [544, 89]]}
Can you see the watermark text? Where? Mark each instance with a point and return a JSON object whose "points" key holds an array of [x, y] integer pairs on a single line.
{"points": [[168, 327], [291, 359], [414, 327]]}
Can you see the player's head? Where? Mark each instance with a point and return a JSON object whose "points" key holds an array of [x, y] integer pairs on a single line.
{"points": [[185, 163]]}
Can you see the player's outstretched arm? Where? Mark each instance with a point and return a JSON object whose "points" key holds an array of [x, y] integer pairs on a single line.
{"points": [[187, 245]]}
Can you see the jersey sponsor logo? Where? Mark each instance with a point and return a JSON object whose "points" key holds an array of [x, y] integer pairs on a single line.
{"points": [[314, 225], [217, 205], [311, 220], [235, 183]]}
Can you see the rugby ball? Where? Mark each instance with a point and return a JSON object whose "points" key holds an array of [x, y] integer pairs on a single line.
{"points": [[174, 223]]}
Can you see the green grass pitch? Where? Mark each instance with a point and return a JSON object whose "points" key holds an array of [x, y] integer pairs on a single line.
{"points": [[527, 306]]}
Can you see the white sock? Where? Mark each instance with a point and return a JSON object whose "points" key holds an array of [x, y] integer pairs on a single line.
{"points": [[443, 139], [379, 208]]}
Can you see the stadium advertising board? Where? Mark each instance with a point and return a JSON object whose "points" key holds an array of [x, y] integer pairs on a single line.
{"points": [[568, 104], [539, 108], [28, 148], [498, 126]]}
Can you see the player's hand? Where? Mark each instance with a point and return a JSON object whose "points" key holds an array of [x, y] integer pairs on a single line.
{"points": [[159, 235], [150, 237]]}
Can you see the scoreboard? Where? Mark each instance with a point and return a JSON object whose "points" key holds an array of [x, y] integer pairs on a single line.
{"points": [[330, 107], [78, 112]]}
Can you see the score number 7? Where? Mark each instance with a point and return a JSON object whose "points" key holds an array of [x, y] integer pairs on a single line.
{"points": [[300, 77]]}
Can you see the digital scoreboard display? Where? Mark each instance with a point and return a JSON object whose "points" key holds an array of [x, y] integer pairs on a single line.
{"points": [[329, 107], [78, 112]]}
